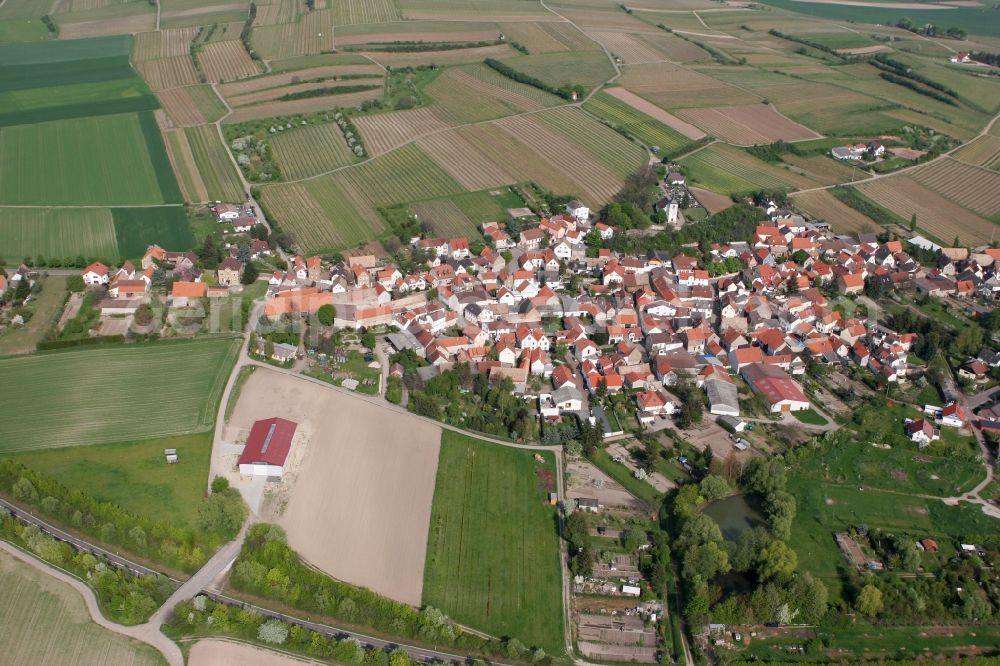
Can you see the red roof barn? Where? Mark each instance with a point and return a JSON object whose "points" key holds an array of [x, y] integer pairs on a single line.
{"points": [[267, 447]]}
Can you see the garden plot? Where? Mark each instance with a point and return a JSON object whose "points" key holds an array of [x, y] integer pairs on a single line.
{"points": [[360, 503], [747, 125], [935, 214]]}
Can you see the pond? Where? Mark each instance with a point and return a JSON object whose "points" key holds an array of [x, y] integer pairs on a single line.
{"points": [[737, 514]]}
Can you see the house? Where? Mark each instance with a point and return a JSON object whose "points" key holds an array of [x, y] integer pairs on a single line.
{"points": [[782, 393], [922, 432], [182, 293], [928, 545], [851, 283], [953, 416], [960, 58], [578, 210], [652, 404], [230, 271], [267, 447], [283, 352], [95, 274], [567, 399]]}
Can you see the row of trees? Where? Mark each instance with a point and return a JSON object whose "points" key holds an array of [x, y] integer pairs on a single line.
{"points": [[161, 541], [123, 596], [269, 568]]}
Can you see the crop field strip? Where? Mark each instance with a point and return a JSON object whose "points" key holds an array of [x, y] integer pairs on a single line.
{"points": [[129, 18], [278, 11], [56, 232], [480, 207], [226, 61], [935, 214], [972, 187], [637, 124], [747, 125], [472, 9], [146, 391], [277, 94], [104, 160], [441, 58], [310, 151], [522, 161], [730, 170], [492, 550], [472, 169], [647, 108], [163, 44], [404, 175], [302, 216], [382, 132], [589, 68], [328, 72], [457, 102], [272, 109], [821, 168], [214, 164], [535, 38], [984, 151], [188, 177], [346, 35], [628, 46], [179, 13], [349, 12], [597, 181], [48, 623], [168, 72], [445, 218], [520, 96], [820, 204], [312, 33], [603, 143]]}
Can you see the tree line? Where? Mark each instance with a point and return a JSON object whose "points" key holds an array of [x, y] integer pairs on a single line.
{"points": [[268, 567], [566, 92], [176, 547]]}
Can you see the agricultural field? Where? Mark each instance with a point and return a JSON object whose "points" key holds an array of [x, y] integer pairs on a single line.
{"points": [[597, 181], [193, 105], [137, 228], [482, 207], [370, 476], [637, 48], [167, 73], [545, 37], [182, 159], [588, 68], [972, 187], [603, 143], [463, 162], [730, 170], [331, 73], [310, 151], [652, 133], [272, 12], [493, 550], [214, 163], [824, 206], [163, 44], [325, 213], [312, 33], [935, 214], [821, 168], [133, 475], [292, 107], [180, 13], [747, 125], [521, 160], [472, 9], [103, 160], [169, 388], [446, 218], [457, 99], [226, 61], [350, 12], [128, 18], [672, 86], [49, 624], [984, 151], [441, 58], [656, 113], [383, 132], [56, 233], [406, 174]]}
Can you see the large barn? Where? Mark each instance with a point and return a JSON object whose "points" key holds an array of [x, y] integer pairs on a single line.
{"points": [[267, 447], [780, 390]]}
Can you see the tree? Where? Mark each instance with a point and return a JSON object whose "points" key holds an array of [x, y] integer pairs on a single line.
{"points": [[368, 339], [809, 598], [764, 476], [23, 289], [713, 487], [250, 273], [75, 284], [869, 601], [706, 561], [326, 314], [777, 561], [913, 222]]}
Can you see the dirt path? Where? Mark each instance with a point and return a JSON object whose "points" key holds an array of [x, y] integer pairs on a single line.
{"points": [[148, 633]]}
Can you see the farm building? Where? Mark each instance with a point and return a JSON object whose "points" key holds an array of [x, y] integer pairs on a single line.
{"points": [[780, 390], [267, 447]]}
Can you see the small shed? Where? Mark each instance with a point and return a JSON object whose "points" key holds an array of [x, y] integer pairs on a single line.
{"points": [[171, 456]]}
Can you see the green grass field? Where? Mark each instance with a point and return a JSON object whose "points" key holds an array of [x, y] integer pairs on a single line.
{"points": [[44, 309], [588, 68], [138, 228], [49, 624], [729, 170], [642, 127], [406, 174], [104, 160], [134, 475], [113, 394], [214, 164], [481, 207], [57, 232], [493, 547], [606, 145]]}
